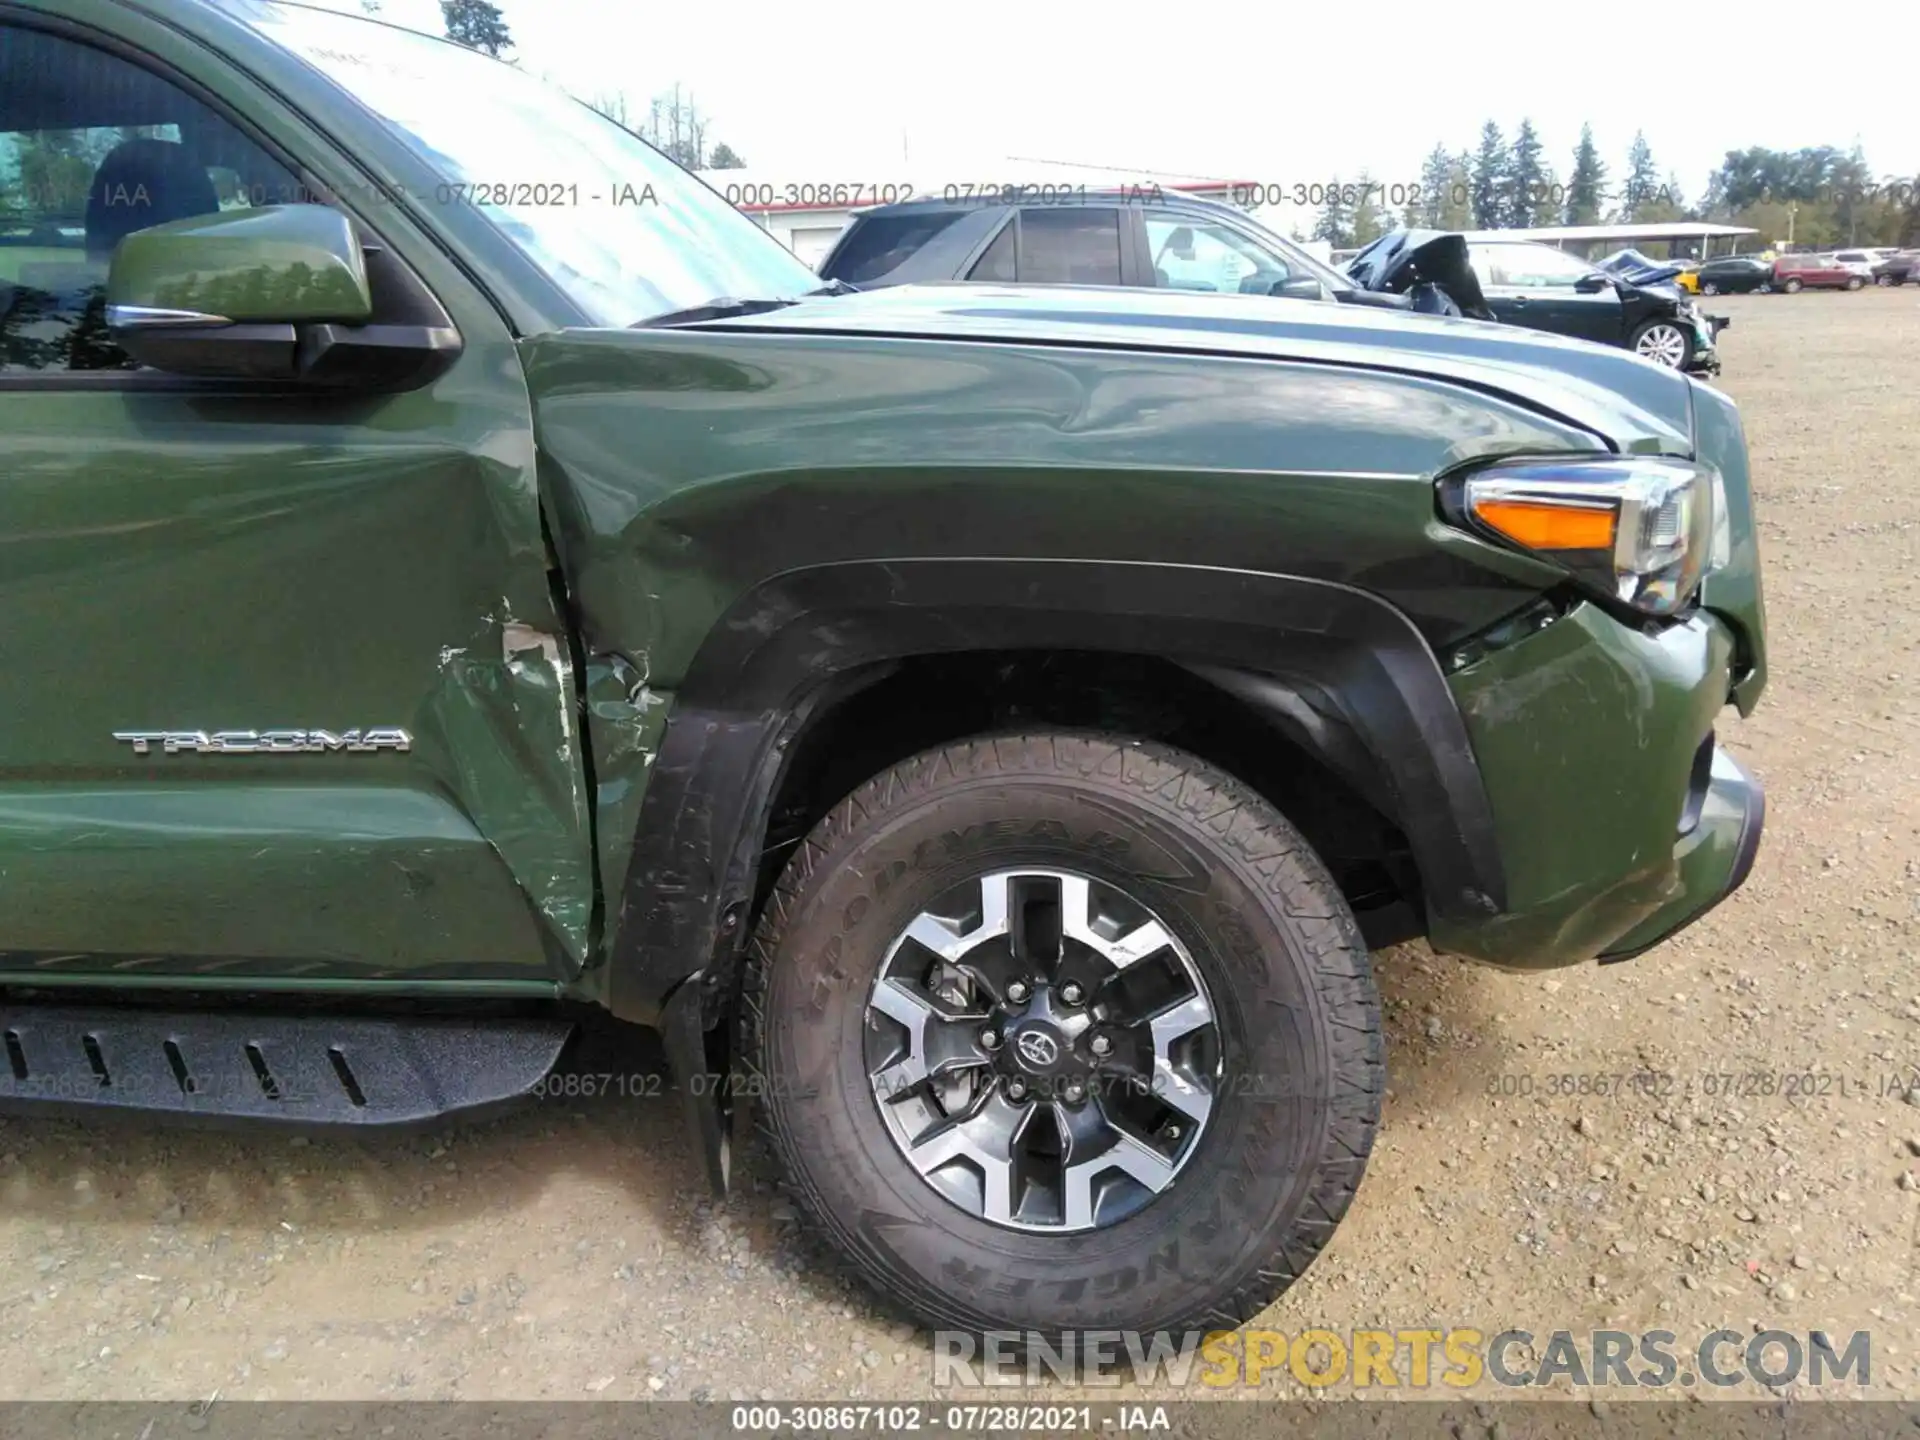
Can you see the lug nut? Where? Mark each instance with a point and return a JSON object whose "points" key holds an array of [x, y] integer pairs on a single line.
{"points": [[990, 1039], [1016, 1089], [1100, 1045], [1173, 1132], [1072, 993], [1017, 990], [1074, 1092]]}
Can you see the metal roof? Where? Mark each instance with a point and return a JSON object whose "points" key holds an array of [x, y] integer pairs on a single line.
{"points": [[1661, 230]]}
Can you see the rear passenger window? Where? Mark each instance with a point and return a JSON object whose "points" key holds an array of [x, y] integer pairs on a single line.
{"points": [[997, 263], [1069, 245]]}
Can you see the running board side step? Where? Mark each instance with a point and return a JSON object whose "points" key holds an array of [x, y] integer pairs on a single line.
{"points": [[310, 1071]]}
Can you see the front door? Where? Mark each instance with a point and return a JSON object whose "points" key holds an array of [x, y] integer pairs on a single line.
{"points": [[1540, 287], [287, 698]]}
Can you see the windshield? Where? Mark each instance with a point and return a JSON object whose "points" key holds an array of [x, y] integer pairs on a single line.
{"points": [[625, 232]]}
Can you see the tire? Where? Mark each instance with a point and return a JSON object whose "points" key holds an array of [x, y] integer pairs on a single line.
{"points": [[1665, 342], [1273, 1162], [1710, 287], [1792, 287], [1765, 287], [1855, 282], [1883, 280]]}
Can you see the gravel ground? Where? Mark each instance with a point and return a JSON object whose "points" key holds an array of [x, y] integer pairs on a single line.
{"points": [[571, 1252]]}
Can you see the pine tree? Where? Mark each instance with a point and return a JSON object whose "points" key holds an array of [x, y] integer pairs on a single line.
{"points": [[1548, 199], [1587, 186], [1526, 179], [1642, 185], [1490, 180], [1428, 212], [1368, 223], [1457, 212], [1334, 224], [725, 157], [476, 24]]}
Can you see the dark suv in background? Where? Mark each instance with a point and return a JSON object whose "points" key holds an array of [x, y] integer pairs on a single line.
{"points": [[1068, 235]]}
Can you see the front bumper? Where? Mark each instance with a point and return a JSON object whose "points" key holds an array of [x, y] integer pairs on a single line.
{"points": [[1618, 817], [1706, 338], [1713, 859]]}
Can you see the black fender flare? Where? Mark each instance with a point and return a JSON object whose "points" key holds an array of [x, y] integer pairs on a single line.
{"points": [[1340, 669]]}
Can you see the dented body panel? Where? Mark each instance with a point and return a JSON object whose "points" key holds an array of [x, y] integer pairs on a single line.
{"points": [[255, 562]]}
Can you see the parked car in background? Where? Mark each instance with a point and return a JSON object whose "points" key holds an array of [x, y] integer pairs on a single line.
{"points": [[1137, 236], [1547, 289], [1793, 273], [1734, 275], [1864, 259], [1898, 268]]}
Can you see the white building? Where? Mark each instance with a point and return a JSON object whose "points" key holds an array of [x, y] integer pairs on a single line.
{"points": [[807, 213]]}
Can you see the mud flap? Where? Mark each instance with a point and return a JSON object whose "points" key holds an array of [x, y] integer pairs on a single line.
{"points": [[699, 1054]]}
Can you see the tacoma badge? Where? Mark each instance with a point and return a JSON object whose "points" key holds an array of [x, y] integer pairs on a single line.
{"points": [[266, 742]]}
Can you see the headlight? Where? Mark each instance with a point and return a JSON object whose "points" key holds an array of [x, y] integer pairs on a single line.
{"points": [[1639, 531]]}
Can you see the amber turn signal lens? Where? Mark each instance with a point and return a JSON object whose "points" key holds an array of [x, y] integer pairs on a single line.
{"points": [[1545, 525]]}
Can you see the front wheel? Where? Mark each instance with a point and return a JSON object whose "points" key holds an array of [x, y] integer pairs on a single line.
{"points": [[1855, 283], [1057, 1031], [1792, 287], [1883, 279], [1664, 343], [1709, 287]]}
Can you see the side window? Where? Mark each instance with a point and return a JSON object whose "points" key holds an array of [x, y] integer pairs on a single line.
{"points": [[1539, 267], [1069, 245], [1197, 254], [878, 244], [997, 263], [93, 148], [1484, 261]]}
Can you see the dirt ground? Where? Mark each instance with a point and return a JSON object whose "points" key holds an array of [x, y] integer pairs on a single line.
{"points": [[570, 1251]]}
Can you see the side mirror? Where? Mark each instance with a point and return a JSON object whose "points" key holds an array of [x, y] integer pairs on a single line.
{"points": [[1300, 287], [1592, 283], [275, 293]]}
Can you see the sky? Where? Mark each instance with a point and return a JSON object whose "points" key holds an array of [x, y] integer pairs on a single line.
{"points": [[854, 91]]}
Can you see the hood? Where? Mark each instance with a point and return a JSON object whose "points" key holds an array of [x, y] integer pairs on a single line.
{"points": [[1631, 404], [1402, 260], [1637, 269]]}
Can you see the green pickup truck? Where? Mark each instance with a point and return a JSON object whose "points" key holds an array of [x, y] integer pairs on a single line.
{"points": [[464, 583]]}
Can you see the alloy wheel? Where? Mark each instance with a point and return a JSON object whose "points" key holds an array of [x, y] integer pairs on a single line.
{"points": [[1663, 344], [1043, 1050]]}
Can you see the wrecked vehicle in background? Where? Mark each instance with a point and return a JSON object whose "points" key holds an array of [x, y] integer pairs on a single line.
{"points": [[1522, 282]]}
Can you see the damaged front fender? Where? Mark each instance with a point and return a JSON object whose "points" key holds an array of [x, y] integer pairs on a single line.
{"points": [[506, 742]]}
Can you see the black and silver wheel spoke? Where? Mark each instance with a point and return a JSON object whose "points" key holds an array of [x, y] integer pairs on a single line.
{"points": [[940, 1039], [1043, 1050]]}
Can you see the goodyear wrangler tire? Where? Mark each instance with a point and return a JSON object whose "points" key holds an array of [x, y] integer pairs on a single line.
{"points": [[1064, 1031]]}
